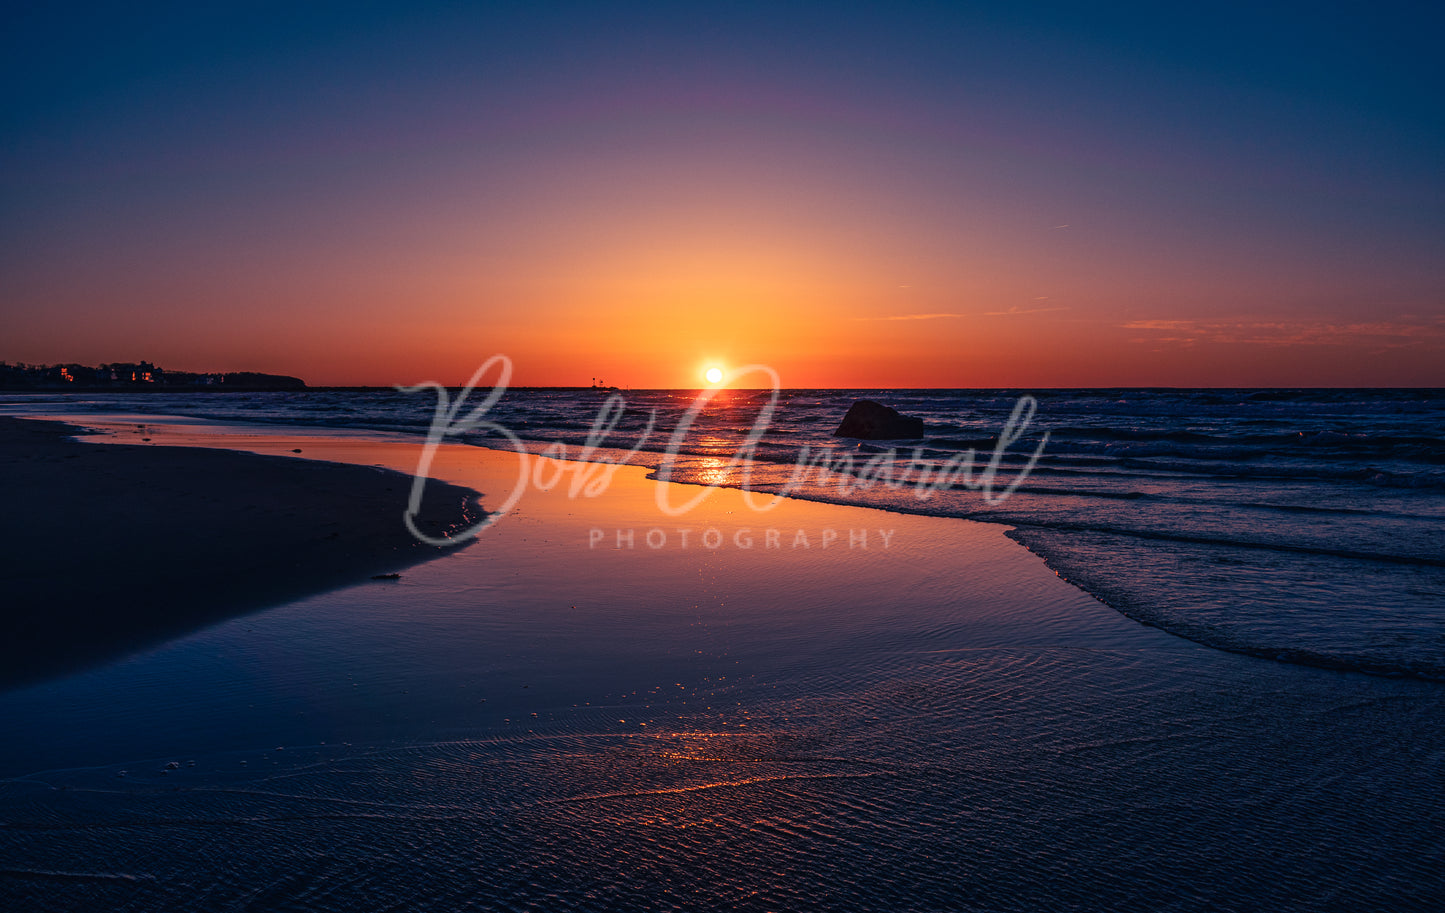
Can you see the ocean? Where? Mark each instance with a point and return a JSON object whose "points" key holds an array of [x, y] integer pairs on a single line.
{"points": [[543, 721], [1305, 526]]}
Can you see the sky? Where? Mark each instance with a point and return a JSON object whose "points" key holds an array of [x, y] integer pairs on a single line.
{"points": [[857, 195]]}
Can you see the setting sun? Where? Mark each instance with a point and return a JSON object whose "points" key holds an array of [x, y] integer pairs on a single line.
{"points": [[713, 375]]}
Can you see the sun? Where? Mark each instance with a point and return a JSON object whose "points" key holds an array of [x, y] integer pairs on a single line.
{"points": [[713, 375]]}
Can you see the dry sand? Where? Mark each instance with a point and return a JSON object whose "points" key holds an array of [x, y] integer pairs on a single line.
{"points": [[106, 549]]}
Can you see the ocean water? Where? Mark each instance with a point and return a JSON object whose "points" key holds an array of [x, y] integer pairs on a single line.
{"points": [[1304, 526], [531, 723]]}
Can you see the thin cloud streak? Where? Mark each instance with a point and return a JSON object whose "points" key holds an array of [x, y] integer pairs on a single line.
{"points": [[1382, 334], [914, 317], [1016, 312], [1011, 312]]}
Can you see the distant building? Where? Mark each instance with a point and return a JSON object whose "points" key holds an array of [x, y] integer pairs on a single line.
{"points": [[135, 375]]}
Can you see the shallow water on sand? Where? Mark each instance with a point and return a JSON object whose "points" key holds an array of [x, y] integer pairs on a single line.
{"points": [[546, 720], [1300, 525]]}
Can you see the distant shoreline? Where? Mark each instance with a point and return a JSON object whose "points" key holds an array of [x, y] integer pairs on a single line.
{"points": [[392, 388], [158, 388]]}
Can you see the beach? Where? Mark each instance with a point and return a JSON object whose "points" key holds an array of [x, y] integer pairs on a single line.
{"points": [[600, 706], [109, 549], [656, 458]]}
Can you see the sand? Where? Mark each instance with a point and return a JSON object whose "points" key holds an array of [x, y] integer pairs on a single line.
{"points": [[561, 720], [107, 549]]}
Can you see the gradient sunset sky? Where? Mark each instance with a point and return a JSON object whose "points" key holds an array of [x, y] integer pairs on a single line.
{"points": [[859, 195]]}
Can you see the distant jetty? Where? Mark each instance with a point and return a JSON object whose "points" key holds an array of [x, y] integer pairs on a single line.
{"points": [[138, 377]]}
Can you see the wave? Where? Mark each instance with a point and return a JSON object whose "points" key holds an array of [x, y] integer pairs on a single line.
{"points": [[878, 498], [1243, 622]]}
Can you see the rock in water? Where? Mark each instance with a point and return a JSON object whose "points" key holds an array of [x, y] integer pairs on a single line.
{"points": [[876, 422]]}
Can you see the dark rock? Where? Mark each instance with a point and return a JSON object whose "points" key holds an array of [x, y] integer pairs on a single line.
{"points": [[872, 421]]}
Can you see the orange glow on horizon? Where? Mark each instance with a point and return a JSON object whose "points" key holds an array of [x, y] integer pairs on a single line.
{"points": [[380, 223], [649, 296]]}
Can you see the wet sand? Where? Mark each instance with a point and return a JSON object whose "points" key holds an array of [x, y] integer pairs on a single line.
{"points": [[106, 549], [563, 720]]}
